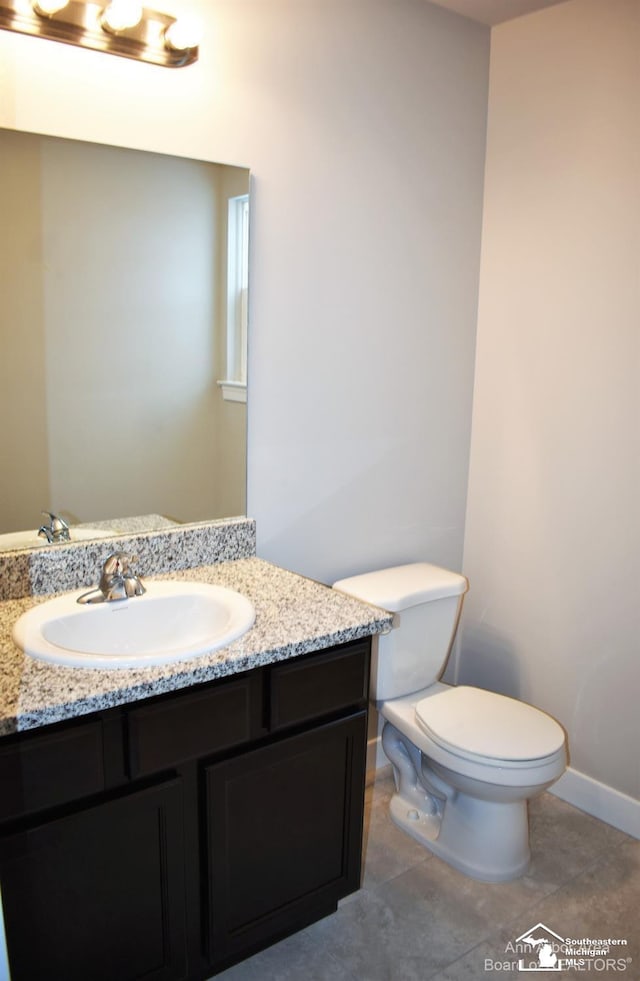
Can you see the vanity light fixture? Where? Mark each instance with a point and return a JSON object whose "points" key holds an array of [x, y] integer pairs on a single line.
{"points": [[47, 7], [120, 27], [120, 15]]}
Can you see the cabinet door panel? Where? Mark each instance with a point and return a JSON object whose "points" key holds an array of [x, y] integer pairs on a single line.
{"points": [[99, 893], [284, 834]]}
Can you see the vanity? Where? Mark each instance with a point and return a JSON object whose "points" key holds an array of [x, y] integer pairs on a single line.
{"points": [[164, 823], [161, 822]]}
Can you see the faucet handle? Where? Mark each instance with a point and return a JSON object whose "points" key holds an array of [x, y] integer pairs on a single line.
{"points": [[116, 563], [118, 566], [56, 531], [118, 581]]}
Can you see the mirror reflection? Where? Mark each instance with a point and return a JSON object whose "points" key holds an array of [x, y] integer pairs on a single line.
{"points": [[123, 277]]}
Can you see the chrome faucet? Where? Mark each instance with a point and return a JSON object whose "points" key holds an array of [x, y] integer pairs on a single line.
{"points": [[56, 531], [117, 581]]}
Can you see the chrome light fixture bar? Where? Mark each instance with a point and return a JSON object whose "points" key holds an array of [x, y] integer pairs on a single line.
{"points": [[119, 27]]}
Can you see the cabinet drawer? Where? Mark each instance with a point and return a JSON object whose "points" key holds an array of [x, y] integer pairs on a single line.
{"points": [[317, 685], [182, 727], [43, 770]]}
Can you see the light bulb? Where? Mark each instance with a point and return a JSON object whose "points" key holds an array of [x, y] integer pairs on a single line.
{"points": [[48, 7], [121, 14], [184, 33]]}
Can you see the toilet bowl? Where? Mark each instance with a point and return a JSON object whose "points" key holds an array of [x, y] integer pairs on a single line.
{"points": [[465, 760], [481, 756]]}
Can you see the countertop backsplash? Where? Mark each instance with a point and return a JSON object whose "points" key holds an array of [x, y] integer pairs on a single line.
{"points": [[56, 568]]}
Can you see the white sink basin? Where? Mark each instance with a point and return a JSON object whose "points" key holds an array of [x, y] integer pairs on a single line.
{"points": [[172, 621]]}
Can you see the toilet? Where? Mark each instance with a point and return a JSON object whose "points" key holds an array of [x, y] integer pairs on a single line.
{"points": [[465, 760]]}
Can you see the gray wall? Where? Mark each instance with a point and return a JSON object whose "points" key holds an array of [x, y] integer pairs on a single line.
{"points": [[553, 537], [364, 126]]}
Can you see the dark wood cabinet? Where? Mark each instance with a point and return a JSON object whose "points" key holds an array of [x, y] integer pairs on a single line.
{"points": [[171, 838], [284, 834], [42, 768], [99, 893]]}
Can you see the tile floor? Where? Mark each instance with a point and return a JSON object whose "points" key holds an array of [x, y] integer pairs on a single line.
{"points": [[416, 919]]}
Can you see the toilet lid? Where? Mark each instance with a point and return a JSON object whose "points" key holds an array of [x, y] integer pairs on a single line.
{"points": [[475, 722]]}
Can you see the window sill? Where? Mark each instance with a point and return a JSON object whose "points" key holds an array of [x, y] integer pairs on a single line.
{"points": [[233, 391]]}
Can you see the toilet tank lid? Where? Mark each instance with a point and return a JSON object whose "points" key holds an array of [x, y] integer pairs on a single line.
{"points": [[404, 586]]}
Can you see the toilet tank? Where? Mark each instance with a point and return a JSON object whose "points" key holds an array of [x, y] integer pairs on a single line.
{"points": [[426, 602]]}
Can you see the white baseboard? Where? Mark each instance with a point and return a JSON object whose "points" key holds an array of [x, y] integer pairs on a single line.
{"points": [[597, 799], [600, 800]]}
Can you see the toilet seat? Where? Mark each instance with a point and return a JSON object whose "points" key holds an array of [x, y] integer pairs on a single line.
{"points": [[488, 728]]}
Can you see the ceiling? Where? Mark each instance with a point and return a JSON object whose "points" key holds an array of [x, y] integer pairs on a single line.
{"points": [[494, 11]]}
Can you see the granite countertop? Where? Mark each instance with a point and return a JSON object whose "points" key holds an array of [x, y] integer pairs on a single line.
{"points": [[294, 616]]}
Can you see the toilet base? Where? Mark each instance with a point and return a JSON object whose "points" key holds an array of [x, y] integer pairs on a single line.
{"points": [[485, 840]]}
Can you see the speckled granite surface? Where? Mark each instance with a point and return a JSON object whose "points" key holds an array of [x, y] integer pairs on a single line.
{"points": [[61, 567], [294, 616], [85, 531], [131, 526]]}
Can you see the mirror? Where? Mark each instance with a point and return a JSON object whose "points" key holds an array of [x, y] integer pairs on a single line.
{"points": [[123, 277]]}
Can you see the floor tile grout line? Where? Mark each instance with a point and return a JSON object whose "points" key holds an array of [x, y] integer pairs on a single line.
{"points": [[385, 882], [601, 853], [538, 902], [348, 973]]}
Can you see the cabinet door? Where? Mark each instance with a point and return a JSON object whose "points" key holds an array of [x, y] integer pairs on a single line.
{"points": [[98, 894], [284, 835]]}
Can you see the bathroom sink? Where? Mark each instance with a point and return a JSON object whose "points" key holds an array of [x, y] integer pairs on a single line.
{"points": [[172, 621]]}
